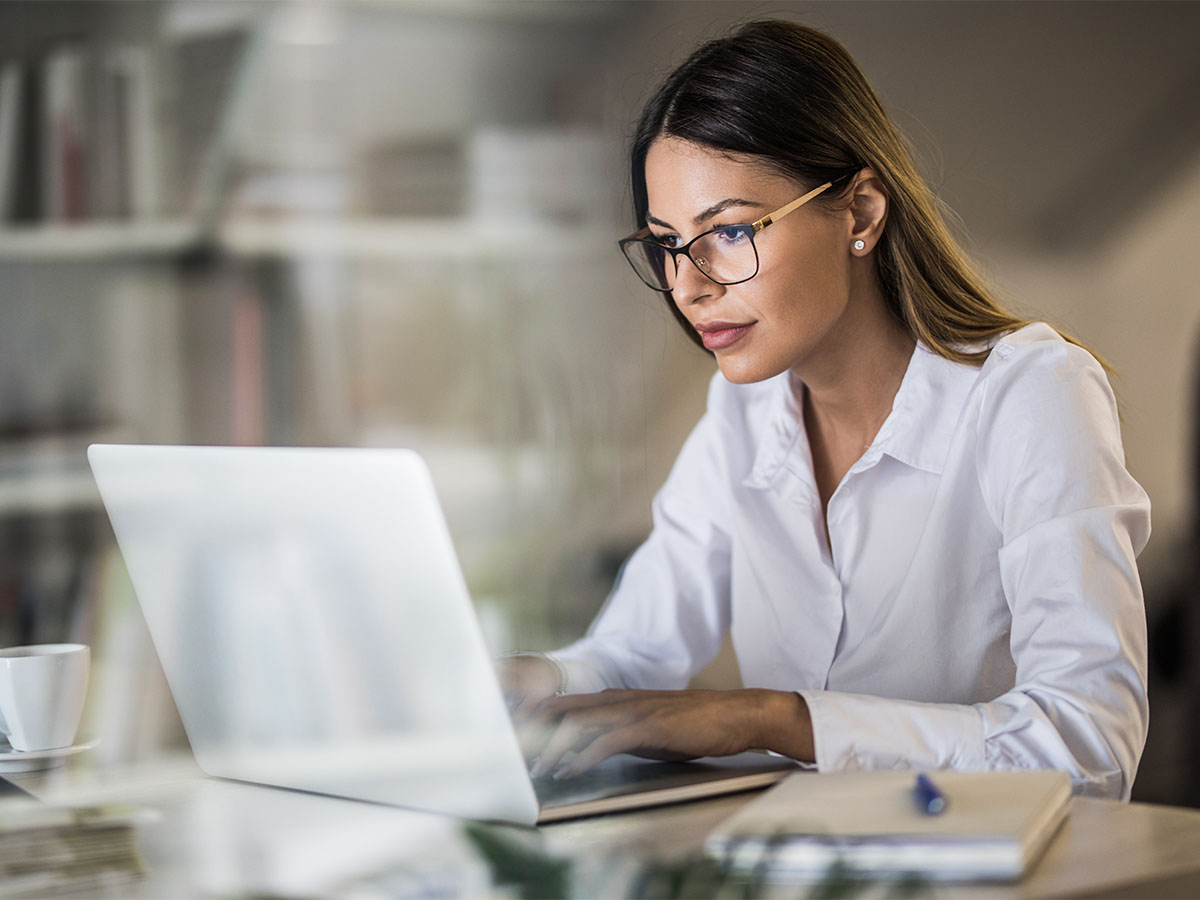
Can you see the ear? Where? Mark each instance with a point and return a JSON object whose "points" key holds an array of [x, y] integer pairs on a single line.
{"points": [[868, 211]]}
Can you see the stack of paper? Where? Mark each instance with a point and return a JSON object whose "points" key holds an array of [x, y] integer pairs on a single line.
{"points": [[995, 825], [50, 851]]}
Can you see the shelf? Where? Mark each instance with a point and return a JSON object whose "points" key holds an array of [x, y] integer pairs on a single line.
{"points": [[448, 240], [48, 474], [97, 240], [377, 238], [49, 493]]}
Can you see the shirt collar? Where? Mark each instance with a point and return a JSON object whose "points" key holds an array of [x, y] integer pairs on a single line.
{"points": [[926, 411], [917, 432], [784, 442]]}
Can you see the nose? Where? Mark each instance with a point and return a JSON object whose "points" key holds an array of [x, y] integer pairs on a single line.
{"points": [[692, 285]]}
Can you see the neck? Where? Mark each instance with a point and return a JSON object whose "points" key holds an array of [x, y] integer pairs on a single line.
{"points": [[851, 386]]}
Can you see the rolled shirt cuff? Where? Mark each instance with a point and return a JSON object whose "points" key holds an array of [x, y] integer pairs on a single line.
{"points": [[580, 674], [861, 732]]}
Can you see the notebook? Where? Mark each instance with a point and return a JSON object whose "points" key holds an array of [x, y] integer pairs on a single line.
{"points": [[994, 827], [316, 632]]}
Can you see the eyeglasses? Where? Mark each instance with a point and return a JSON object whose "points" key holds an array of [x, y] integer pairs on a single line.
{"points": [[726, 254]]}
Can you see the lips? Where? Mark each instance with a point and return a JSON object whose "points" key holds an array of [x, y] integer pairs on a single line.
{"points": [[720, 335]]}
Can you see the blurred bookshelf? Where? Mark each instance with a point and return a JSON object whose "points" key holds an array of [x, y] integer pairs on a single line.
{"points": [[263, 223], [114, 135]]}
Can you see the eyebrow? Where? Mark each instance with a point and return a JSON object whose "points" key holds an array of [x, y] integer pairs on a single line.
{"points": [[713, 210]]}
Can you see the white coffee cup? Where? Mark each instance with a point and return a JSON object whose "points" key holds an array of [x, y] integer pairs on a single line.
{"points": [[42, 689]]}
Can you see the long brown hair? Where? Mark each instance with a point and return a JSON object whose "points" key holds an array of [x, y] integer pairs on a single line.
{"points": [[794, 99]]}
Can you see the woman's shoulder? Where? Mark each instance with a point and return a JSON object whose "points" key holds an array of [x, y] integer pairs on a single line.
{"points": [[1036, 360], [1034, 368], [1037, 351], [1049, 434], [1038, 387]]}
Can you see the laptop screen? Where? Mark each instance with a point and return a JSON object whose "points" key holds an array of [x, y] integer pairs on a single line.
{"points": [[313, 623]]}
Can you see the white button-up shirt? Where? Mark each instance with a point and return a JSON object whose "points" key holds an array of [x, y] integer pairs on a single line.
{"points": [[977, 605]]}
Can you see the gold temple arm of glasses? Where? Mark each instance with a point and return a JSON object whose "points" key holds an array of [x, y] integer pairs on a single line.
{"points": [[791, 207]]}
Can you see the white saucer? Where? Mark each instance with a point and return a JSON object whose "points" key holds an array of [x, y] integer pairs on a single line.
{"points": [[35, 760]]}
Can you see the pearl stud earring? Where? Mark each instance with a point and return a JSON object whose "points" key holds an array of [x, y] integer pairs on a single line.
{"points": [[859, 245]]}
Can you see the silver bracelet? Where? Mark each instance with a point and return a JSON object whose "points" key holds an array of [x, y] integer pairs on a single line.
{"points": [[561, 688]]}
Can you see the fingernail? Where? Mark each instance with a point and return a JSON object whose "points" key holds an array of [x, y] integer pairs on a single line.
{"points": [[537, 770], [561, 772]]}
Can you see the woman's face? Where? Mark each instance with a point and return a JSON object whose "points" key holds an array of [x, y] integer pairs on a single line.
{"points": [[782, 317]]}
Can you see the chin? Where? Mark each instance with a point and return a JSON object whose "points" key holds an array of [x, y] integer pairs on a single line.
{"points": [[746, 371]]}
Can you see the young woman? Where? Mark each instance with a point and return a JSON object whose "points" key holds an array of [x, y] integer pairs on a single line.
{"points": [[909, 507]]}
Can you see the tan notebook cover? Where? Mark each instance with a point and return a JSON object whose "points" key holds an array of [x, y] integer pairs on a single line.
{"points": [[995, 825]]}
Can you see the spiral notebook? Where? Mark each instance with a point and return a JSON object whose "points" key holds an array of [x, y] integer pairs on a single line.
{"points": [[994, 828]]}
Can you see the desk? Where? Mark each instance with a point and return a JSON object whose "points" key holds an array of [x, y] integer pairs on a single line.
{"points": [[218, 837]]}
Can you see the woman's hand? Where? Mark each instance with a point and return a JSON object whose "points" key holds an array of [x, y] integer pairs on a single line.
{"points": [[567, 735], [526, 681]]}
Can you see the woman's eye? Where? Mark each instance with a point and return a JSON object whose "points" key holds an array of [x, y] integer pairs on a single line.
{"points": [[667, 240], [734, 234]]}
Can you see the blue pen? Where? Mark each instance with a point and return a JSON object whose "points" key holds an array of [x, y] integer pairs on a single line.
{"points": [[929, 799]]}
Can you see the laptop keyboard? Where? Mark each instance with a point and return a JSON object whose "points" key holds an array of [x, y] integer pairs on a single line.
{"points": [[606, 778], [624, 774]]}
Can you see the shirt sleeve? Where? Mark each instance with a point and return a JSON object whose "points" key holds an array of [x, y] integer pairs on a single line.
{"points": [[669, 611], [1072, 519]]}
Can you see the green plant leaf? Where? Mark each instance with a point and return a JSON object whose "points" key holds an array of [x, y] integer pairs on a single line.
{"points": [[535, 874]]}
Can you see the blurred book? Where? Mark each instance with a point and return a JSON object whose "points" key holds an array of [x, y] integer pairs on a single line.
{"points": [[48, 851], [412, 178], [868, 824], [109, 163], [205, 73], [26, 201], [10, 135], [137, 83], [64, 138]]}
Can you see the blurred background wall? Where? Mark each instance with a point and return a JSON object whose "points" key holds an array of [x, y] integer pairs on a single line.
{"points": [[391, 223]]}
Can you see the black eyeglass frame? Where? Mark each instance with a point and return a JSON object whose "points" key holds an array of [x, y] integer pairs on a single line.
{"points": [[640, 237]]}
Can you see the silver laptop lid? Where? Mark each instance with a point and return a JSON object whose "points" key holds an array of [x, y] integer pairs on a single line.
{"points": [[313, 623]]}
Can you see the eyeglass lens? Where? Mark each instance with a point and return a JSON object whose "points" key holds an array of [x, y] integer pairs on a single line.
{"points": [[726, 255]]}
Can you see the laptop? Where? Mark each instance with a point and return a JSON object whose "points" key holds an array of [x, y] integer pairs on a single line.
{"points": [[316, 633]]}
